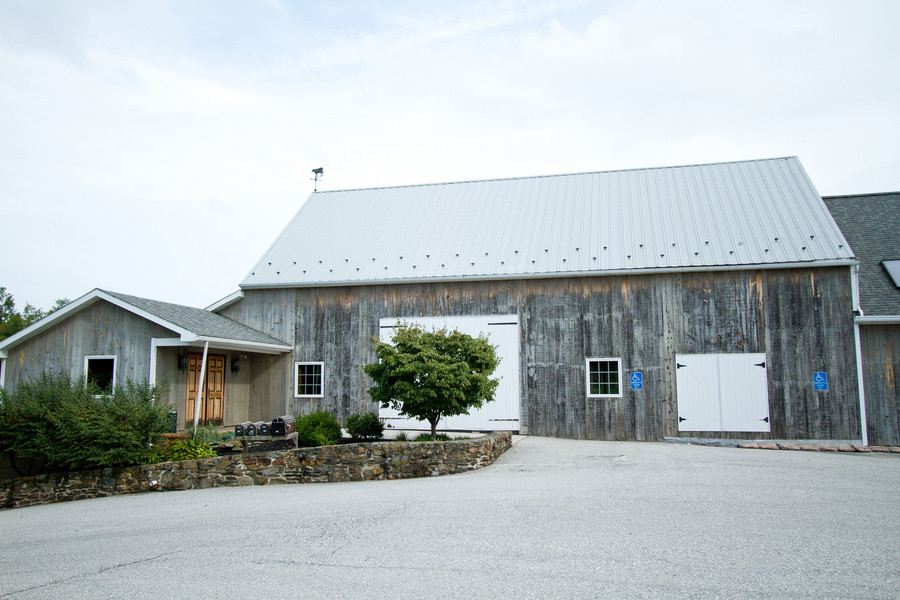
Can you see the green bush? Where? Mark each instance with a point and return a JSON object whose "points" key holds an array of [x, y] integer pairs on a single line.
{"points": [[188, 450], [210, 434], [365, 426], [74, 426], [427, 437], [320, 428]]}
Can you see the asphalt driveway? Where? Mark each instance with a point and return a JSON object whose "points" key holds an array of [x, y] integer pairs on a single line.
{"points": [[551, 519]]}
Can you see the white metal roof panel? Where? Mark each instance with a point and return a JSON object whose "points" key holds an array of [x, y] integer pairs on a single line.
{"points": [[757, 212]]}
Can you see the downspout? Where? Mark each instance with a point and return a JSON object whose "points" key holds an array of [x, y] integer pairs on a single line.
{"points": [[200, 386], [2, 373], [858, 312]]}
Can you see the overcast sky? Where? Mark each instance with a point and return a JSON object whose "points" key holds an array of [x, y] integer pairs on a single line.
{"points": [[158, 148]]}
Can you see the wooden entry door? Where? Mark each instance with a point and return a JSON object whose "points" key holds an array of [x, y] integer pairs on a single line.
{"points": [[212, 407]]}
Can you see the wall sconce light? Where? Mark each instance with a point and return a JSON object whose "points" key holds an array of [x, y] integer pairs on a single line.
{"points": [[235, 365], [183, 362]]}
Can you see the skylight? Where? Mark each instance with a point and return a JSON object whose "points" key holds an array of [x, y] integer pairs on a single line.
{"points": [[893, 269]]}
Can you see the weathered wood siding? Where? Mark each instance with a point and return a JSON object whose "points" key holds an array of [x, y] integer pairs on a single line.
{"points": [[881, 360], [800, 318], [100, 329]]}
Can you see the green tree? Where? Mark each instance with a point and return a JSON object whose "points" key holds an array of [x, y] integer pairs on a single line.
{"points": [[428, 375]]}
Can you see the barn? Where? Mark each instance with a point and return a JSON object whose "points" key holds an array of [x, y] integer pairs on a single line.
{"points": [[712, 300], [871, 223]]}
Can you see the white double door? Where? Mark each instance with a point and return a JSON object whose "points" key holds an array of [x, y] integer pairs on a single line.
{"points": [[722, 392]]}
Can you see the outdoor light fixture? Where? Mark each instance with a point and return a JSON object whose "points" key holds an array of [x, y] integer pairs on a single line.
{"points": [[183, 362], [235, 365]]}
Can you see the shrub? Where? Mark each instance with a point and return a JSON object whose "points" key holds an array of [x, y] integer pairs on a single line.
{"points": [[427, 437], [320, 428], [210, 434], [74, 426], [401, 437], [365, 426], [188, 450]]}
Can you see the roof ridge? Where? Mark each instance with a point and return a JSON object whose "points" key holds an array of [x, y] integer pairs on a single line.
{"points": [[551, 175]]}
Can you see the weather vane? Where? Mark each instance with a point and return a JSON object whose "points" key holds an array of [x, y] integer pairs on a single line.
{"points": [[319, 172]]}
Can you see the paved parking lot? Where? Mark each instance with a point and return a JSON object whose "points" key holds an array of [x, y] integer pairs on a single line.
{"points": [[552, 518]]}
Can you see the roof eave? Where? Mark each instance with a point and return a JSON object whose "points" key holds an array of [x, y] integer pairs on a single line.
{"points": [[838, 262], [78, 305]]}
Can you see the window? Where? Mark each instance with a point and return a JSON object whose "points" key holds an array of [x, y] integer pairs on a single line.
{"points": [[101, 370], [604, 377], [309, 379]]}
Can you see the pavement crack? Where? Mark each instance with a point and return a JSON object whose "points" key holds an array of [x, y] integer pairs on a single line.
{"points": [[84, 575]]}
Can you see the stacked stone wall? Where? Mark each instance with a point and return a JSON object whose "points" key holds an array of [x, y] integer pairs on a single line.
{"points": [[349, 462]]}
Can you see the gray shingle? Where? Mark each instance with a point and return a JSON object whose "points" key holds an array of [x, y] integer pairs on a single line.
{"points": [[197, 320], [871, 224]]}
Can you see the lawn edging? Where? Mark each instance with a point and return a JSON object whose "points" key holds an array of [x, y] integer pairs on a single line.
{"points": [[348, 462]]}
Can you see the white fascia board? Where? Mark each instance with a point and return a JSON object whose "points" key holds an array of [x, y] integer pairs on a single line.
{"points": [[49, 321], [259, 347], [144, 314], [80, 304], [226, 344], [837, 262], [226, 301], [879, 320]]}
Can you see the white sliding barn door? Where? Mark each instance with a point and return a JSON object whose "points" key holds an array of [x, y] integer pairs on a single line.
{"points": [[500, 415], [722, 392]]}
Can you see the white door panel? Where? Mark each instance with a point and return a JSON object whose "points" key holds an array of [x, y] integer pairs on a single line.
{"points": [[722, 392]]}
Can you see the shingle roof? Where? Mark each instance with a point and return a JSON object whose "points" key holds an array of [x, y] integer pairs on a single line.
{"points": [[871, 224], [759, 212], [198, 321], [191, 324]]}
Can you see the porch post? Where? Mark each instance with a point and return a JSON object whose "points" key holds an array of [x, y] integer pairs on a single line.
{"points": [[200, 386], [151, 379]]}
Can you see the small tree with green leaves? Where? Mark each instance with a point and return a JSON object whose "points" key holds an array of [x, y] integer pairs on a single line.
{"points": [[428, 375]]}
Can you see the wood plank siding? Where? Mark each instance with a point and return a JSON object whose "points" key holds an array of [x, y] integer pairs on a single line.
{"points": [[881, 361], [100, 329], [800, 318]]}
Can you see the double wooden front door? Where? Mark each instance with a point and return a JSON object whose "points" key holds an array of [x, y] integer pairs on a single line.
{"points": [[212, 406]]}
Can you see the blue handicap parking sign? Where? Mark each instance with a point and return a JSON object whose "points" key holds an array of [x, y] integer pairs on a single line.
{"points": [[637, 380], [820, 380]]}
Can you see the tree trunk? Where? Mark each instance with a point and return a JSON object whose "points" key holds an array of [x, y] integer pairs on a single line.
{"points": [[434, 427]]}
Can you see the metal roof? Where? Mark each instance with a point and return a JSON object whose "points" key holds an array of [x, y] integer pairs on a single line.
{"points": [[871, 222], [723, 215]]}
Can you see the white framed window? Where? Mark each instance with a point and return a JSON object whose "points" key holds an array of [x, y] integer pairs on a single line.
{"points": [[309, 379], [101, 370], [603, 377]]}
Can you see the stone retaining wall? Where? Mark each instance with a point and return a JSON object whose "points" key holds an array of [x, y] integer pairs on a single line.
{"points": [[349, 462]]}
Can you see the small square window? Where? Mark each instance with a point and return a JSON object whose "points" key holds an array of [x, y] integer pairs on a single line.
{"points": [[101, 371], [604, 377], [309, 379]]}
